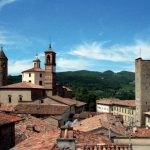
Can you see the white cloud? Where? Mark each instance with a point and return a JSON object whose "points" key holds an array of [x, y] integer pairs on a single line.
{"points": [[72, 64], [6, 2], [120, 53], [16, 67]]}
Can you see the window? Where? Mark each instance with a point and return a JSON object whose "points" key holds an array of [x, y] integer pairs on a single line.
{"points": [[20, 98], [29, 74], [40, 74], [48, 59], [9, 98], [40, 82], [42, 101], [29, 80]]}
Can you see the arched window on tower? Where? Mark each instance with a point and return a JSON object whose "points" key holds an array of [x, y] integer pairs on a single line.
{"points": [[48, 59]]}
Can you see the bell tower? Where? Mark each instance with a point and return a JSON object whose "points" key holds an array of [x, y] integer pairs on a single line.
{"points": [[50, 71], [3, 68], [36, 62]]}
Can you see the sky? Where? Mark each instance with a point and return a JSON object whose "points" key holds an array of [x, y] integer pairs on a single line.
{"points": [[96, 35]]}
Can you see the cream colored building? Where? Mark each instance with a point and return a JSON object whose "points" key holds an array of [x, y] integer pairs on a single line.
{"points": [[34, 75], [126, 108], [21, 92]]}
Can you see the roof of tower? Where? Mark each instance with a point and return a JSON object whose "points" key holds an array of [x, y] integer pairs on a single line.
{"points": [[36, 59], [2, 54], [49, 49]]}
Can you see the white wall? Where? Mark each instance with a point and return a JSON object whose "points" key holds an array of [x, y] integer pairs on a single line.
{"points": [[35, 77], [103, 108]]}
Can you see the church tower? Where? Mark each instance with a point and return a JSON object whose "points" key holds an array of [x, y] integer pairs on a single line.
{"points": [[50, 72], [3, 68]]}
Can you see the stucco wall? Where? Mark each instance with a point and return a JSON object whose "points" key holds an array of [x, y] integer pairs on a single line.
{"points": [[14, 95], [35, 77]]}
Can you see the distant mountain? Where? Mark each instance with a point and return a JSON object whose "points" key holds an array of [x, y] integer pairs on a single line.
{"points": [[106, 84]]}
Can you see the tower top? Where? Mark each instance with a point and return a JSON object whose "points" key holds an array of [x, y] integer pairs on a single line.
{"points": [[49, 49], [2, 54], [36, 58]]}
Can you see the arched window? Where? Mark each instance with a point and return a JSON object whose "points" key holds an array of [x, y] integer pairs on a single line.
{"points": [[48, 59]]}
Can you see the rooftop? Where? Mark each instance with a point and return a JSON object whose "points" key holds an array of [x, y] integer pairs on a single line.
{"points": [[5, 119], [67, 101], [32, 126], [41, 109], [105, 101], [39, 142], [34, 70], [100, 121], [141, 132], [22, 85]]}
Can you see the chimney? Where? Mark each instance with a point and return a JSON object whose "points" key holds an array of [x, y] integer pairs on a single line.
{"points": [[66, 139]]}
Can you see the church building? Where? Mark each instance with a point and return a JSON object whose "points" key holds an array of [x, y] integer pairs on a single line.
{"points": [[38, 85]]}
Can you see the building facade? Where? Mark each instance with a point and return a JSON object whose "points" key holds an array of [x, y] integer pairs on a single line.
{"points": [[34, 75], [126, 108]]}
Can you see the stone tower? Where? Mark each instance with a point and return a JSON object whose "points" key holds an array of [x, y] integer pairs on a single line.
{"points": [[142, 89], [3, 68], [50, 72]]}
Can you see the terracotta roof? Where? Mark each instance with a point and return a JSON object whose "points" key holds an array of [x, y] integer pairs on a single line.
{"points": [[87, 138], [7, 107], [67, 101], [41, 109], [84, 115], [5, 119], [141, 132], [32, 126], [116, 102], [100, 121], [2, 54], [41, 141], [22, 85], [34, 70]]}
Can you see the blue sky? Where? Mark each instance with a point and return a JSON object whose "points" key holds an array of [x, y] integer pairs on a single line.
{"points": [[93, 35]]}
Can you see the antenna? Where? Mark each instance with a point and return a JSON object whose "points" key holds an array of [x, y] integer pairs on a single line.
{"points": [[140, 53]]}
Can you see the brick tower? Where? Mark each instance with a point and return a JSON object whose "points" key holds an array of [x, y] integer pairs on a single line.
{"points": [[50, 71], [3, 68], [142, 89]]}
